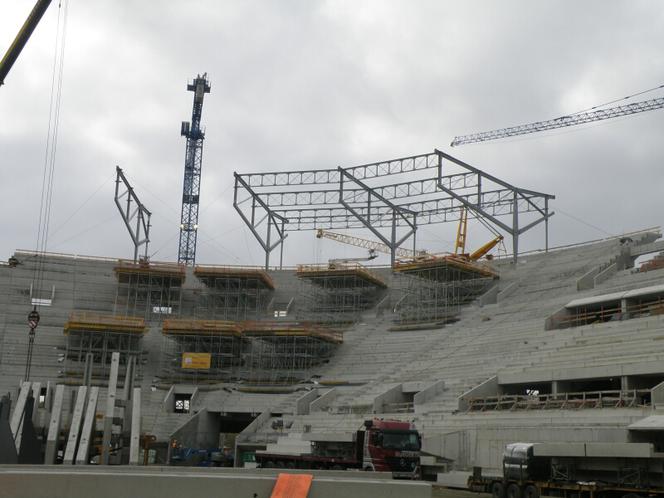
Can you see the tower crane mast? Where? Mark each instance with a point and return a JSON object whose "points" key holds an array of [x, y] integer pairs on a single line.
{"points": [[191, 186], [562, 122]]}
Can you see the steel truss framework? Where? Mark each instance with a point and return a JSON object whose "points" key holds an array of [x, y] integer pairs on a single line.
{"points": [[431, 188]]}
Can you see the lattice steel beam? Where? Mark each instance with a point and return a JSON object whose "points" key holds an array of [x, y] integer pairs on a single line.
{"points": [[436, 188]]}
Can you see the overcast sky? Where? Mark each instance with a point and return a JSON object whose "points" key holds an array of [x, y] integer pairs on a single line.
{"points": [[317, 84]]}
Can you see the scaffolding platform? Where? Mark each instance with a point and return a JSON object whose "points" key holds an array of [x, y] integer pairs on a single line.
{"points": [[85, 320], [291, 329], [151, 290], [204, 351], [176, 327], [94, 336], [210, 274], [154, 269], [200, 351], [445, 268], [343, 275], [233, 293]]}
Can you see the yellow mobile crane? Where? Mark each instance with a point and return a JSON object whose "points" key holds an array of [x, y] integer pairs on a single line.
{"points": [[459, 247]]}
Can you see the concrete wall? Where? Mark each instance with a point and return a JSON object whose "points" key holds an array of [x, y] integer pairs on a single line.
{"points": [[392, 395], [324, 401], [200, 431], [657, 396], [587, 280], [489, 387], [429, 393], [166, 482], [303, 402]]}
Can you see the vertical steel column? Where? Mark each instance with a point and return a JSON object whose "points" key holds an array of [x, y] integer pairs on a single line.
{"points": [[515, 228]]}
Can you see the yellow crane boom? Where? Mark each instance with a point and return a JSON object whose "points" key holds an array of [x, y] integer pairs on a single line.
{"points": [[371, 245]]}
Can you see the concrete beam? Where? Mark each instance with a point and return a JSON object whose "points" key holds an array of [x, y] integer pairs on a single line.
{"points": [[53, 437], [109, 414], [19, 410], [135, 441], [75, 427], [82, 456]]}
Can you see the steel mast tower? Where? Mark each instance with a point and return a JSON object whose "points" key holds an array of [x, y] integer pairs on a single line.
{"points": [[193, 161]]}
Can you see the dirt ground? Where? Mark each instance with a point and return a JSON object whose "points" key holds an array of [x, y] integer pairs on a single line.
{"points": [[439, 492]]}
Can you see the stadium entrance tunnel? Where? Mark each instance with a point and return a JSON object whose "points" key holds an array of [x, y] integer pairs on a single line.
{"points": [[207, 439]]}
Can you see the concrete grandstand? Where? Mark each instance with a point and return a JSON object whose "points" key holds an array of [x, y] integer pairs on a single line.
{"points": [[566, 345]]}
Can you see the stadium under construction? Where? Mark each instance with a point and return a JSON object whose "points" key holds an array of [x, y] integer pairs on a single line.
{"points": [[152, 363]]}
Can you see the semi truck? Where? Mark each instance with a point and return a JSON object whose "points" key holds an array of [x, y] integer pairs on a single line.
{"points": [[575, 470], [380, 445]]}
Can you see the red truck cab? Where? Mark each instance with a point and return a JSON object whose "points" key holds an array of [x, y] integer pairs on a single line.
{"points": [[391, 446]]}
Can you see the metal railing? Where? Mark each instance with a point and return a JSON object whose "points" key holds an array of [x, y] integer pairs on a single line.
{"points": [[563, 401]]}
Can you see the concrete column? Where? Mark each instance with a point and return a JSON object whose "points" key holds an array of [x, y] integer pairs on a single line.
{"points": [[19, 410], [625, 383], [135, 441], [555, 387], [75, 427], [53, 437], [83, 452], [623, 309], [110, 408]]}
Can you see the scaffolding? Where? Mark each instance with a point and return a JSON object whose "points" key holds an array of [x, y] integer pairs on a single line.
{"points": [[150, 290], [233, 293], [434, 289], [91, 336], [207, 351], [284, 353], [337, 295], [200, 351]]}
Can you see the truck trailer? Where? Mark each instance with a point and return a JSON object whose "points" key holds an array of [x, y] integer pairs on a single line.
{"points": [[380, 445], [575, 470]]}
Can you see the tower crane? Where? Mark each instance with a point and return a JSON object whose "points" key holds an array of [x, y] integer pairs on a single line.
{"points": [[562, 122]]}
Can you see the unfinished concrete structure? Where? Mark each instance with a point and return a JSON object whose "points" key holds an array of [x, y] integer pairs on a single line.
{"points": [[566, 345]]}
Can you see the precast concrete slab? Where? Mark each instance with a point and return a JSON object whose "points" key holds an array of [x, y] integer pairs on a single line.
{"points": [[166, 482]]}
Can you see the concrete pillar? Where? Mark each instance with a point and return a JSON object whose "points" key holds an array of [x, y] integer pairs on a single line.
{"points": [[83, 453], [555, 387], [623, 309], [109, 415], [19, 410], [135, 441], [53, 437], [625, 383], [75, 427]]}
